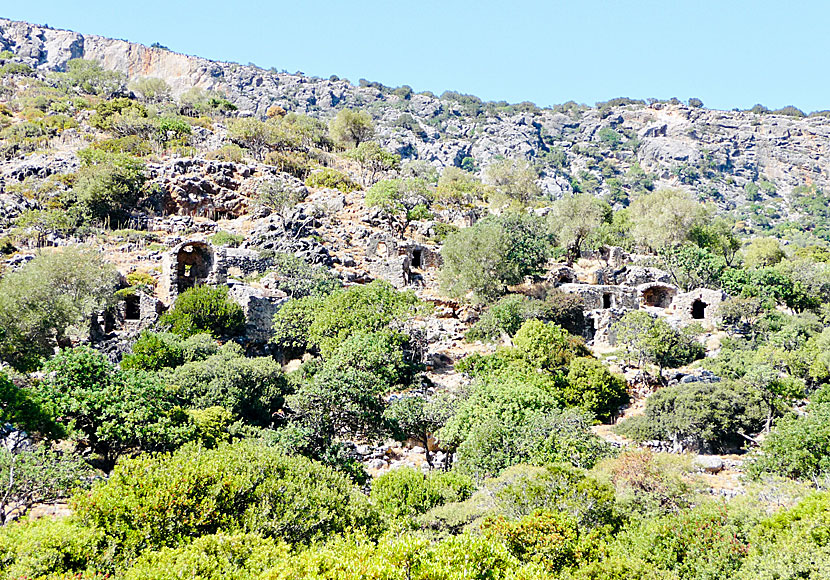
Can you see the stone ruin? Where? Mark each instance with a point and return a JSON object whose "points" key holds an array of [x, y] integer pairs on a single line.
{"points": [[619, 287], [395, 260], [189, 264], [699, 305]]}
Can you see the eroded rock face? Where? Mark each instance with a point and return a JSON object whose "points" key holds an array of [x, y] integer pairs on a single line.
{"points": [[725, 149]]}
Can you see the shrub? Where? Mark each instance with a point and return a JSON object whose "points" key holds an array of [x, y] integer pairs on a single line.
{"points": [[652, 339], [153, 351], [798, 447], [205, 309], [251, 388], [331, 178], [292, 323], [109, 185], [591, 386], [154, 501], [351, 128], [706, 415], [494, 253], [115, 411], [406, 493], [212, 557], [50, 294], [298, 278], [46, 547], [223, 238], [664, 218], [369, 308]]}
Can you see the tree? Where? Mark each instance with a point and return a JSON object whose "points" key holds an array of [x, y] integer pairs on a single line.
{"points": [[253, 134], [351, 127], [279, 197], [205, 309], [253, 389], [652, 339], [152, 90], [115, 411], [35, 475], [373, 159], [458, 187], [514, 179], [41, 301], [763, 252], [496, 252], [709, 416], [417, 418], [664, 218], [91, 78], [108, 186], [575, 219]]}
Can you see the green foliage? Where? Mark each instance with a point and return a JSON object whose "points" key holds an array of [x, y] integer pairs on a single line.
{"points": [[664, 218], [212, 557], [458, 187], [42, 300], [647, 338], [709, 415], [513, 180], [351, 127], [37, 475], [204, 309], [575, 219], [115, 411], [223, 238], [154, 501], [762, 252], [152, 90], [405, 493], [373, 159], [798, 447], [49, 548], [292, 323], [108, 186], [496, 252], [331, 178], [367, 308], [298, 278], [279, 197], [251, 388], [88, 77], [594, 388], [21, 408]]}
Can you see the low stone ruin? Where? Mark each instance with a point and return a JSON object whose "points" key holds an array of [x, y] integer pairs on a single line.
{"points": [[395, 260], [188, 264]]}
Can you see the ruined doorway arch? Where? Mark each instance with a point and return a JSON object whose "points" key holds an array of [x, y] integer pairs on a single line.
{"points": [[698, 310], [194, 262]]}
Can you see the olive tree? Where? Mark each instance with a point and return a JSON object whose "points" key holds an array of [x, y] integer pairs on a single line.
{"points": [[351, 127]]}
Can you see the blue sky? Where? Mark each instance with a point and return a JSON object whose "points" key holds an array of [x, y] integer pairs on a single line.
{"points": [[727, 53]]}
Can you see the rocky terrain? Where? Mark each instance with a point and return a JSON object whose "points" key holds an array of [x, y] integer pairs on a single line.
{"points": [[716, 154]]}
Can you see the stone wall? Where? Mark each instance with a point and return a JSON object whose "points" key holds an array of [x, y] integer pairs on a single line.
{"points": [[602, 297], [260, 306], [190, 263], [247, 261], [699, 305]]}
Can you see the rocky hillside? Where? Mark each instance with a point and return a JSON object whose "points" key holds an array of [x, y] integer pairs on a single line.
{"points": [[760, 165]]}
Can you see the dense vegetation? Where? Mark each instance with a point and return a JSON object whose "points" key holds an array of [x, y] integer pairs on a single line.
{"points": [[200, 454]]}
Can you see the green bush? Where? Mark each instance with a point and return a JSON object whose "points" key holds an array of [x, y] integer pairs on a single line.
{"points": [[798, 446], [45, 547], [251, 388], [496, 252], [108, 186], [204, 309], [154, 501], [591, 386], [298, 278], [708, 415], [331, 178], [213, 557], [223, 238], [153, 351], [50, 294], [114, 410], [405, 493]]}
